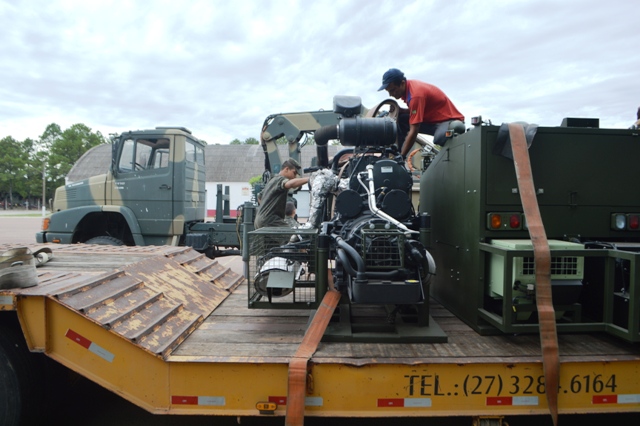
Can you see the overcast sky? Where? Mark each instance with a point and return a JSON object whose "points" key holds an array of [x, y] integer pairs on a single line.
{"points": [[220, 67]]}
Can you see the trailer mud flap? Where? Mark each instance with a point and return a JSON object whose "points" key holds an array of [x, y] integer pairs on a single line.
{"points": [[297, 382], [542, 258]]}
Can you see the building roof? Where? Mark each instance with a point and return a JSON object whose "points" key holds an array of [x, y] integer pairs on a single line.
{"points": [[225, 163]]}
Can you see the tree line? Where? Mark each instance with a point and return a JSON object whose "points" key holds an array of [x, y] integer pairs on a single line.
{"points": [[33, 169]]}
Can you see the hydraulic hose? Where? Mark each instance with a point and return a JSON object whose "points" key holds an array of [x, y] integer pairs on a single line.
{"points": [[324, 134], [322, 137], [396, 274], [346, 264], [361, 272]]}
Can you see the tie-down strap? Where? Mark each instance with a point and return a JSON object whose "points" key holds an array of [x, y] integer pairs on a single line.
{"points": [[297, 387], [542, 259]]}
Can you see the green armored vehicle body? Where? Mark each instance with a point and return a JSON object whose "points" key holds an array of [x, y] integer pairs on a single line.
{"points": [[153, 194], [480, 234]]}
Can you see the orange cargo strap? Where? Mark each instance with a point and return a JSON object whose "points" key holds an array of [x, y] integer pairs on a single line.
{"points": [[297, 385], [542, 259]]}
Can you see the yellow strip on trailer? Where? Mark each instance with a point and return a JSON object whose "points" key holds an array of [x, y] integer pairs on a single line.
{"points": [[391, 388]]}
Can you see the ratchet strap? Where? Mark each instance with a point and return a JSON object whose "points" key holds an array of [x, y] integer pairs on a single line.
{"points": [[542, 259], [297, 384]]}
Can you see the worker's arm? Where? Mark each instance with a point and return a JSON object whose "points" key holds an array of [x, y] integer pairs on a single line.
{"points": [[410, 139], [296, 182]]}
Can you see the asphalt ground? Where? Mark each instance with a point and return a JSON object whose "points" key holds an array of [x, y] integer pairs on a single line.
{"points": [[88, 404], [16, 228]]}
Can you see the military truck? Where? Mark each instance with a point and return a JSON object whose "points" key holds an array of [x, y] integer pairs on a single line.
{"points": [[153, 194]]}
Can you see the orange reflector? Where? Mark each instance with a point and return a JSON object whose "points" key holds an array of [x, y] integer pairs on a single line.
{"points": [[496, 221], [266, 407], [55, 240], [45, 223]]}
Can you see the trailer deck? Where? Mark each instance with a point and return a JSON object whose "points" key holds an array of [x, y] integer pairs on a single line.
{"points": [[170, 330]]}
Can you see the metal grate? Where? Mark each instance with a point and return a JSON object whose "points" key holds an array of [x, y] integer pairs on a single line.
{"points": [[382, 249], [562, 265], [282, 256]]}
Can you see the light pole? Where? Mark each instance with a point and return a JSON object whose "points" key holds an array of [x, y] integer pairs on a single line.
{"points": [[44, 187]]}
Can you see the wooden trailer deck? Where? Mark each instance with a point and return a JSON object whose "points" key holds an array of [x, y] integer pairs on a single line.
{"points": [[235, 333]]}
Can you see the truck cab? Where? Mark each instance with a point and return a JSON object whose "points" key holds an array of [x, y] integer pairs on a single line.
{"points": [[155, 187]]}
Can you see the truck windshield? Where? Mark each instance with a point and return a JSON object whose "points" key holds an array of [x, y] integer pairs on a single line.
{"points": [[143, 154]]}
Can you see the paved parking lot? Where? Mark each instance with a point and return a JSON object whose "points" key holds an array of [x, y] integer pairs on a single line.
{"points": [[19, 229]]}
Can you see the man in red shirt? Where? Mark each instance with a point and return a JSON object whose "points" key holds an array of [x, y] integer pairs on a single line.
{"points": [[430, 110]]}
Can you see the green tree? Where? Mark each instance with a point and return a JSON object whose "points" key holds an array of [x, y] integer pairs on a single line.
{"points": [[38, 166], [40, 159], [247, 141], [31, 184], [13, 161], [254, 180], [307, 138], [24, 165], [66, 149], [50, 135]]}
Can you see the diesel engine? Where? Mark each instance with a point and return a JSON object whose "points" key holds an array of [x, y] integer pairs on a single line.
{"points": [[362, 238], [370, 220]]}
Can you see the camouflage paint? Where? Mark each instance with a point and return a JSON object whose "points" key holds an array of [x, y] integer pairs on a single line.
{"points": [[292, 126], [156, 203]]}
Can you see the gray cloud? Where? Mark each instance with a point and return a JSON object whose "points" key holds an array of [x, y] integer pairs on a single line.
{"points": [[220, 68]]}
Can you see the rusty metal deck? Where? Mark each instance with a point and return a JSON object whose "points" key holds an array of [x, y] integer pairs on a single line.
{"points": [[153, 296]]}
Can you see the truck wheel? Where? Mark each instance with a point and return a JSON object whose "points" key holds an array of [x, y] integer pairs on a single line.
{"points": [[20, 395], [104, 241]]}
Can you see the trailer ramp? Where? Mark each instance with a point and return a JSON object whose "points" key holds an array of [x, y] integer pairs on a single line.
{"points": [[154, 299]]}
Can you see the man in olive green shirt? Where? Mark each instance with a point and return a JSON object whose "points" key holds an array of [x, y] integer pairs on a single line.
{"points": [[274, 195]]}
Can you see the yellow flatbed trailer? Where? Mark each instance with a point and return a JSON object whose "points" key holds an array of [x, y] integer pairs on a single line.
{"points": [[169, 330]]}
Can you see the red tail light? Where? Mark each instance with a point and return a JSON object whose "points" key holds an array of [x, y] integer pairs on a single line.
{"points": [[514, 221], [504, 221]]}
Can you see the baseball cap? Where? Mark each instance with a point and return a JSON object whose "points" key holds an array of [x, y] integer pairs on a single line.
{"points": [[393, 74], [293, 163]]}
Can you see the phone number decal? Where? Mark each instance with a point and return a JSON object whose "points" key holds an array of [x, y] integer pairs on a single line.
{"points": [[503, 385]]}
